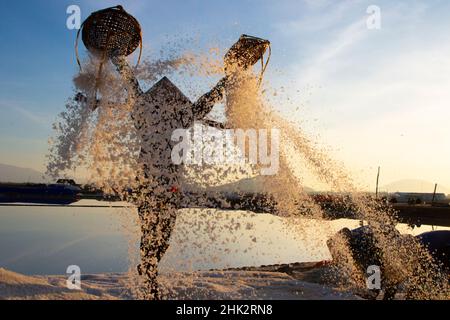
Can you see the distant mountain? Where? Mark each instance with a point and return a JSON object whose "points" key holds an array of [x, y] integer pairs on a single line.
{"points": [[413, 185], [255, 184], [10, 173]]}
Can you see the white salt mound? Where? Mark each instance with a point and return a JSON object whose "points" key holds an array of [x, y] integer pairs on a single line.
{"points": [[196, 286]]}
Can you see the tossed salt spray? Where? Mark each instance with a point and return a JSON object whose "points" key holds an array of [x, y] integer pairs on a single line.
{"points": [[108, 145]]}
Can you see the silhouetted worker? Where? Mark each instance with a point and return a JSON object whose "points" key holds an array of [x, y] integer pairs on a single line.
{"points": [[438, 244], [156, 114], [365, 252], [113, 34]]}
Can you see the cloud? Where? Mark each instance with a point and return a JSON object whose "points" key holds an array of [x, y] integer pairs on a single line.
{"points": [[25, 113], [380, 95], [324, 60], [318, 16]]}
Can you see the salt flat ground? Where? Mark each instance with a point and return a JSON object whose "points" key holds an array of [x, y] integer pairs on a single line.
{"points": [[229, 284]]}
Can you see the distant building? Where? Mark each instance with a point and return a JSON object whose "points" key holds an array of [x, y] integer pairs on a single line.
{"points": [[417, 197], [67, 181]]}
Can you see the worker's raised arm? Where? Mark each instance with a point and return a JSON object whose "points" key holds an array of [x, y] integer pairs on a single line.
{"points": [[205, 103]]}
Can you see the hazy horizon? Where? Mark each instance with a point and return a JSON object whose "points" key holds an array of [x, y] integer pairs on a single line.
{"points": [[19, 174]]}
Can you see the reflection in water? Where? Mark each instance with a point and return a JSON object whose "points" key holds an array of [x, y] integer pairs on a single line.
{"points": [[46, 240]]}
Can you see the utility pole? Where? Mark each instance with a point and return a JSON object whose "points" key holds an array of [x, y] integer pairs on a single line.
{"points": [[378, 178], [434, 194]]}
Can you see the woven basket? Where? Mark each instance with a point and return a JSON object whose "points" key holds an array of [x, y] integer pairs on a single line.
{"points": [[111, 32], [246, 51]]}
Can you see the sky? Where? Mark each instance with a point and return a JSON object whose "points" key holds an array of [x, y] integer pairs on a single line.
{"points": [[373, 97]]}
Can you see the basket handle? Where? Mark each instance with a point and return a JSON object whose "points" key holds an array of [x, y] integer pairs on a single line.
{"points": [[264, 64], [140, 48], [76, 46]]}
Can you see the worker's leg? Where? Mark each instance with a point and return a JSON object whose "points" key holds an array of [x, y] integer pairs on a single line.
{"points": [[157, 222], [148, 266]]}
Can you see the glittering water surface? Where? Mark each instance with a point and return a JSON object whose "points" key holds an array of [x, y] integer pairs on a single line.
{"points": [[47, 240]]}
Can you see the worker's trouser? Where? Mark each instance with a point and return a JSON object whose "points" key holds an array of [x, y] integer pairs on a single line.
{"points": [[157, 214]]}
